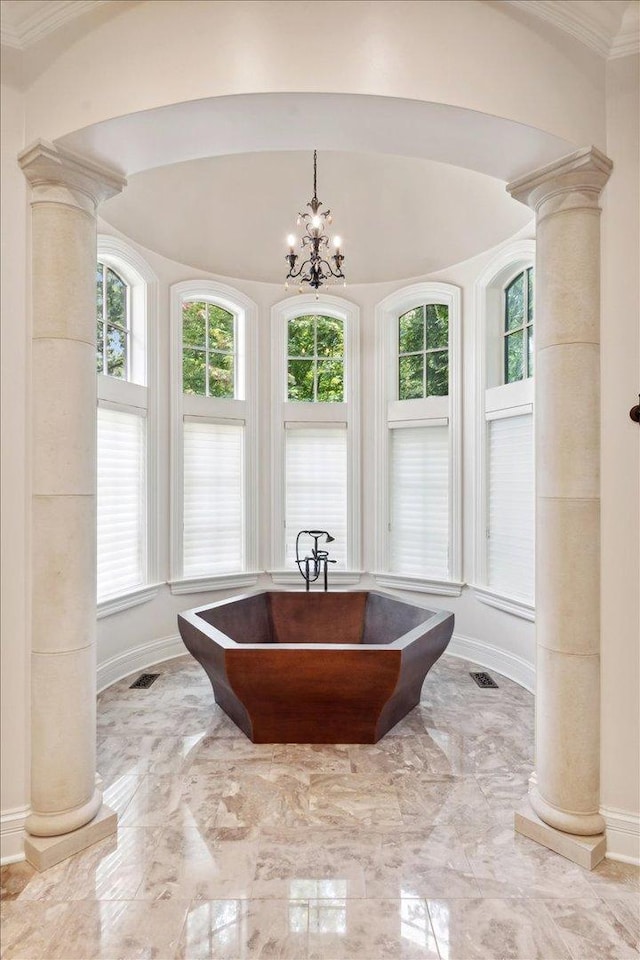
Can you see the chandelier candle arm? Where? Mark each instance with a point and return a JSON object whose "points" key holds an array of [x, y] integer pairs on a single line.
{"points": [[320, 266]]}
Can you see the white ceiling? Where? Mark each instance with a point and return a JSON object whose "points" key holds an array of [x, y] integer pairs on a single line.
{"points": [[399, 217]]}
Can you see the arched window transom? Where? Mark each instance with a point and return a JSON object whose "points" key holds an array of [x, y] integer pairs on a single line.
{"points": [[518, 327], [423, 352], [113, 312], [208, 350]]}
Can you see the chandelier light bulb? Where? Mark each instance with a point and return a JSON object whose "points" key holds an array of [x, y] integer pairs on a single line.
{"points": [[337, 242], [316, 222], [291, 240]]}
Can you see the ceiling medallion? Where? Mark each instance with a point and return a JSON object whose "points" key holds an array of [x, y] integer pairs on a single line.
{"points": [[319, 266]]}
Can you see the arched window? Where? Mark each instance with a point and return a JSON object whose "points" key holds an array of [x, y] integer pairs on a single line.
{"points": [[518, 327], [125, 300], [113, 311], [418, 439], [214, 538], [315, 431], [504, 502]]}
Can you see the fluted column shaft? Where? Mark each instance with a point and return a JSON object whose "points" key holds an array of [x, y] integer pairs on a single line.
{"points": [[565, 196], [65, 194]]}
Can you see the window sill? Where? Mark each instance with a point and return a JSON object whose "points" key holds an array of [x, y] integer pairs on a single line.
{"points": [[396, 581], [129, 599], [342, 578], [225, 581], [512, 605]]}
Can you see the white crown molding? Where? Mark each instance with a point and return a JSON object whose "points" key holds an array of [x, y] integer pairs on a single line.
{"points": [[596, 25], [42, 21]]}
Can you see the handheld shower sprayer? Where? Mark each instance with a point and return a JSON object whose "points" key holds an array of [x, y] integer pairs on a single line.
{"points": [[312, 565]]}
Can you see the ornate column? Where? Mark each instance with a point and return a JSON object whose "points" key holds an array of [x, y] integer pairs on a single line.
{"points": [[565, 790], [67, 813]]}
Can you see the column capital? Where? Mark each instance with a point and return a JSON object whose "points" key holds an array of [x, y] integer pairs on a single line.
{"points": [[59, 176], [573, 181]]}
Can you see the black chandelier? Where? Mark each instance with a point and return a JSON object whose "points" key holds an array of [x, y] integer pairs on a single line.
{"points": [[317, 268]]}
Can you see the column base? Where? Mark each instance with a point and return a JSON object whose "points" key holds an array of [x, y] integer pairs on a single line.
{"points": [[45, 852], [587, 852]]}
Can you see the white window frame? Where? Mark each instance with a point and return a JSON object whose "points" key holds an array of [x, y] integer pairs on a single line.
{"points": [[495, 398], [136, 395], [392, 412], [241, 410], [291, 411]]}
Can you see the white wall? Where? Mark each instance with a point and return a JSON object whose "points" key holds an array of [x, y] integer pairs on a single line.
{"points": [[620, 793], [14, 517]]}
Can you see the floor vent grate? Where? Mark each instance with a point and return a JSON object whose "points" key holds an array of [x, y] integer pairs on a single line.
{"points": [[144, 680], [484, 680]]}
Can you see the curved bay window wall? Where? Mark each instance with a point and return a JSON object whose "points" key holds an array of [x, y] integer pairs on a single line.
{"points": [[214, 530], [125, 289], [418, 439], [505, 500], [315, 440]]}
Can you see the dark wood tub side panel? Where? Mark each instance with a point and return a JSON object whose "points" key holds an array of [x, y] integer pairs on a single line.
{"points": [[387, 619], [309, 696], [417, 659], [317, 617], [245, 621], [211, 657]]}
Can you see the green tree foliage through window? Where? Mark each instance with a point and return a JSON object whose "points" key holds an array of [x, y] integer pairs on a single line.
{"points": [[208, 350], [423, 352], [112, 323], [518, 327], [315, 359]]}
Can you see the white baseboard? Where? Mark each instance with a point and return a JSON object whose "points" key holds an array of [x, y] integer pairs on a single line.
{"points": [[12, 834], [623, 835], [486, 655], [144, 655]]}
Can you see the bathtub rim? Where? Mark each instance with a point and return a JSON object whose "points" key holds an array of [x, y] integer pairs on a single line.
{"points": [[192, 617]]}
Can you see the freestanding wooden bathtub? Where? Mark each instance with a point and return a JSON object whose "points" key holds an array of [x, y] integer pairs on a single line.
{"points": [[316, 667]]}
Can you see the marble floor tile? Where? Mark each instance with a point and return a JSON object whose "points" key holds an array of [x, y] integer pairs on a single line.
{"points": [[312, 758], [14, 877], [611, 878], [109, 870], [506, 864], [138, 756], [235, 850], [420, 865], [153, 802], [592, 931], [245, 929], [125, 930], [492, 929], [341, 929], [187, 865], [299, 871], [27, 929], [359, 799]]}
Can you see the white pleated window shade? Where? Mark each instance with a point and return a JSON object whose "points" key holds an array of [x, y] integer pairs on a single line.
{"points": [[121, 501], [213, 531], [510, 545], [419, 482], [316, 488]]}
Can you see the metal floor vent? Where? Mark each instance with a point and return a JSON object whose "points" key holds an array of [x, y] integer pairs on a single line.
{"points": [[484, 680], [144, 680]]}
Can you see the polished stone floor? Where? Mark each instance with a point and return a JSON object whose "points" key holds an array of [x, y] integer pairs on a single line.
{"points": [[232, 850]]}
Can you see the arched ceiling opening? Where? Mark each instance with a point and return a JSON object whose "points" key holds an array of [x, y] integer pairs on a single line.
{"points": [[414, 186], [399, 217]]}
